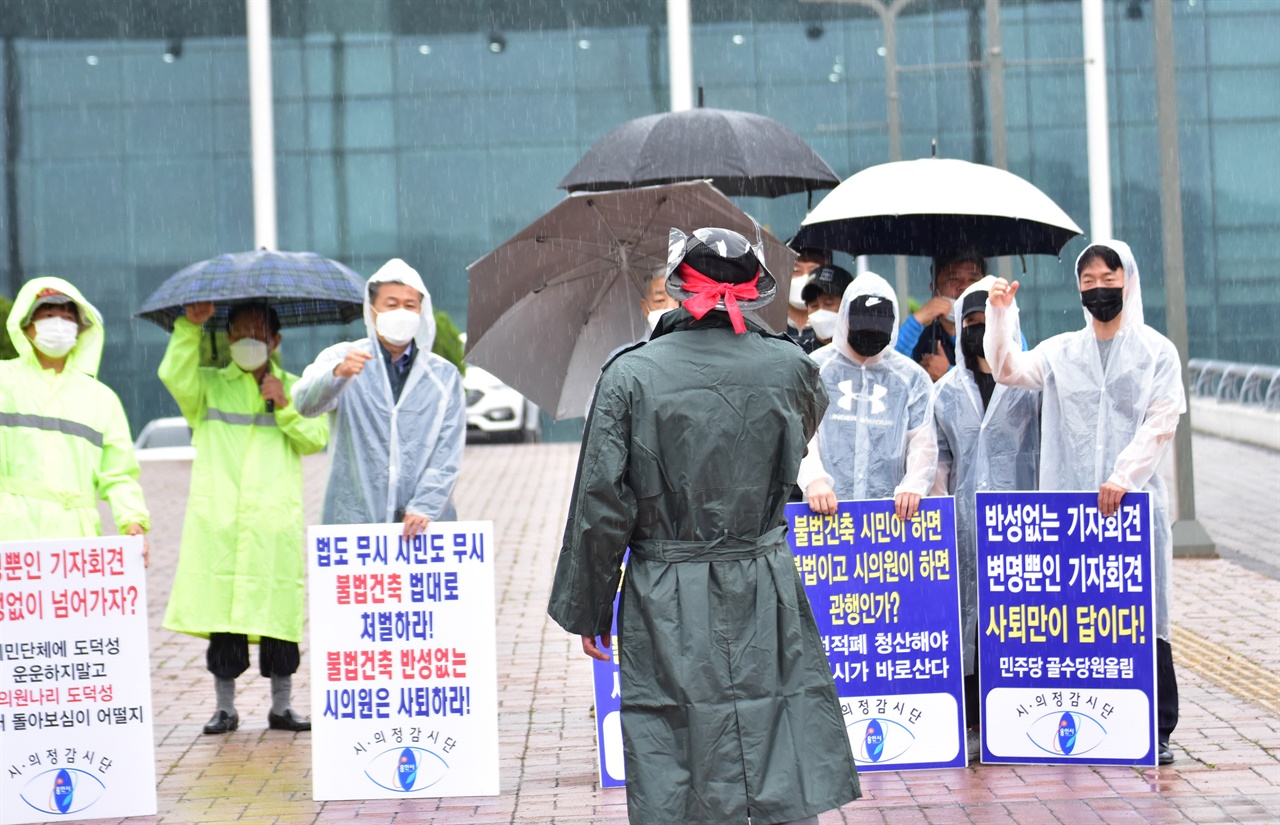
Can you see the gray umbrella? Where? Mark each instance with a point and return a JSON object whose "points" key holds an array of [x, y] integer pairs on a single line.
{"points": [[743, 154], [549, 306]]}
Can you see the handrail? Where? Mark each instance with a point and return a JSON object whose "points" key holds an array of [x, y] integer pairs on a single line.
{"points": [[1254, 385]]}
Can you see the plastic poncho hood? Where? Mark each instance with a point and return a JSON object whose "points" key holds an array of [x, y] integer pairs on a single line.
{"points": [[396, 271], [1131, 316], [86, 355], [869, 284]]}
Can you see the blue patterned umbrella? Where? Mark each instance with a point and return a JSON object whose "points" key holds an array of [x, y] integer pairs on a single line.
{"points": [[304, 288]]}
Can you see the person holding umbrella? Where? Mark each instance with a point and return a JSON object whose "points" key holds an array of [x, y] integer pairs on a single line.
{"points": [[729, 710], [928, 335], [241, 567], [399, 412], [1112, 399], [64, 438]]}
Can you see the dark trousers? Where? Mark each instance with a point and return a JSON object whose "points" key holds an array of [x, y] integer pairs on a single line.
{"points": [[1166, 691], [972, 698], [228, 656]]}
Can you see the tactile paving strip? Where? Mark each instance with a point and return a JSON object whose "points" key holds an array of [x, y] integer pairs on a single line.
{"points": [[1227, 668]]}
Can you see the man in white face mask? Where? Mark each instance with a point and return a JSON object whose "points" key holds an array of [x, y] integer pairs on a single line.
{"points": [[656, 302], [822, 296], [64, 438], [399, 416], [240, 569]]}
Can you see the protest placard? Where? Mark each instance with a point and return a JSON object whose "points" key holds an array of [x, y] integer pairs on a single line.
{"points": [[885, 594], [1066, 629], [404, 689], [607, 686], [75, 681]]}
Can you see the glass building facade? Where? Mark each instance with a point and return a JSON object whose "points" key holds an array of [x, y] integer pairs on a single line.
{"points": [[432, 130]]}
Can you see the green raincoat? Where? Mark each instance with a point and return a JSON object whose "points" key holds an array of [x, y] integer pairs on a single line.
{"points": [[242, 563], [64, 438], [691, 449]]}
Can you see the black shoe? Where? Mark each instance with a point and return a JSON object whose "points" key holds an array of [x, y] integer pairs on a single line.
{"points": [[222, 722], [288, 721], [1164, 754]]}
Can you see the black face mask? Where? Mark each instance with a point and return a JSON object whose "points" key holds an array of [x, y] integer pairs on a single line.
{"points": [[1103, 302], [971, 344], [868, 342]]}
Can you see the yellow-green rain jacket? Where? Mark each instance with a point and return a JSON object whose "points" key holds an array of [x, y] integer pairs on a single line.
{"points": [[242, 563], [64, 438]]}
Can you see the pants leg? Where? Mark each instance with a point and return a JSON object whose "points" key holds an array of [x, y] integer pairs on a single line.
{"points": [[228, 655], [808, 820], [277, 657], [973, 698], [1166, 691]]}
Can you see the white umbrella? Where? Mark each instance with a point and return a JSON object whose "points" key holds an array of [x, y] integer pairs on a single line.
{"points": [[549, 306], [936, 206]]}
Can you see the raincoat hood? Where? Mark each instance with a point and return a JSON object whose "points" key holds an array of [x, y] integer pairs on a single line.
{"points": [[868, 283], [86, 355], [396, 271], [1131, 316], [957, 315]]}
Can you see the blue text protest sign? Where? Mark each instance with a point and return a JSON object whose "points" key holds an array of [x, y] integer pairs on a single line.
{"points": [[403, 661], [76, 739], [1066, 614], [886, 598], [607, 685]]}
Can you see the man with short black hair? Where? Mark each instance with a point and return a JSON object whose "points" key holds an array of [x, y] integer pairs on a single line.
{"points": [[241, 566], [929, 335]]}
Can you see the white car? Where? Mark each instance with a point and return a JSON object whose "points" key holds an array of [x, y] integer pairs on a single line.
{"points": [[165, 439], [496, 411]]}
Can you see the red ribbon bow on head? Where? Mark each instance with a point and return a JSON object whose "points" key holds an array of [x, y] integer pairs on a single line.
{"points": [[708, 293]]}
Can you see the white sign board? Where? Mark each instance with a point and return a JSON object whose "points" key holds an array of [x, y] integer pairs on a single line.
{"points": [[404, 676], [75, 681]]}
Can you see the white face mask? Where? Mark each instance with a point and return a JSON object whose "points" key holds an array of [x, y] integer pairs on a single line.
{"points": [[798, 283], [655, 315], [398, 326], [249, 353], [55, 336], [823, 322], [951, 306]]}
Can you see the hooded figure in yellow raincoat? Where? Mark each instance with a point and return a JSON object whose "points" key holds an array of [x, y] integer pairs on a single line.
{"points": [[241, 567], [64, 438]]}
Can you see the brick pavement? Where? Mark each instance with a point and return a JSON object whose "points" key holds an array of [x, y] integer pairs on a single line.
{"points": [[1228, 745]]}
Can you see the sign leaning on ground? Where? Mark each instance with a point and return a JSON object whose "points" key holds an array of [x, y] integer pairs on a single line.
{"points": [[1066, 629], [886, 597], [404, 693], [75, 687]]}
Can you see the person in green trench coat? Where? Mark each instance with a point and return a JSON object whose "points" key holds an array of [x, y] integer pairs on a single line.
{"points": [[729, 710]]}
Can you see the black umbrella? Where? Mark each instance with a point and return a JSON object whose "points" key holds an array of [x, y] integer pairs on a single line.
{"points": [[743, 154]]}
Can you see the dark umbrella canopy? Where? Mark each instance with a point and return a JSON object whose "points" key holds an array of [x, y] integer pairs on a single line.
{"points": [[937, 206], [743, 154], [304, 288]]}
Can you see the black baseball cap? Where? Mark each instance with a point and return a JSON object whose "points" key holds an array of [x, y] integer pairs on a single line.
{"points": [[830, 279], [871, 312]]}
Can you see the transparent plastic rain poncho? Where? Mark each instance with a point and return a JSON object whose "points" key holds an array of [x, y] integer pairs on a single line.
{"points": [[1102, 424], [876, 439], [991, 450], [387, 457]]}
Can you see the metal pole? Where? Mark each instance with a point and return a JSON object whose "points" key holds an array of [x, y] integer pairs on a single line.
{"points": [[680, 54], [261, 124], [1097, 126], [995, 99], [890, 19], [1189, 537], [13, 139]]}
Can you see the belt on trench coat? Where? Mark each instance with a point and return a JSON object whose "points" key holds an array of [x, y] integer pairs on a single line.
{"points": [[725, 548]]}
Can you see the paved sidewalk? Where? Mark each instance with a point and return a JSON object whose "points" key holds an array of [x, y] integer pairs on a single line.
{"points": [[1227, 650]]}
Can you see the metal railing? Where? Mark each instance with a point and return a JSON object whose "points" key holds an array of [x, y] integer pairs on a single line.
{"points": [[1249, 384]]}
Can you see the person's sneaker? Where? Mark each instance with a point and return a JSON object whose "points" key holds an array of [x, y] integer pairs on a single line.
{"points": [[973, 741], [222, 722], [288, 721], [1164, 754]]}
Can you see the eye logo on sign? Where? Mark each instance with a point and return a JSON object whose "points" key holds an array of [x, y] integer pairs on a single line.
{"points": [[879, 740], [62, 791], [1066, 734], [848, 396], [406, 769]]}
